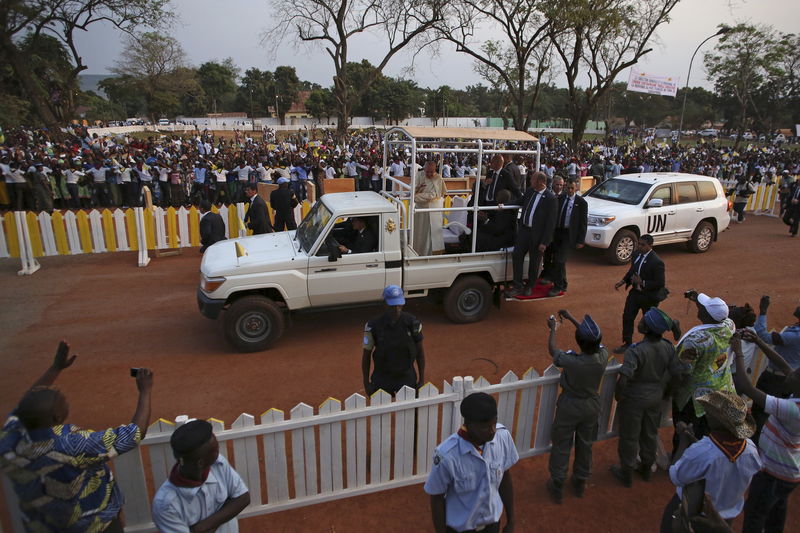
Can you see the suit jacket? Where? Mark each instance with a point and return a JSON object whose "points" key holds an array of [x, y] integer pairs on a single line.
{"points": [[652, 274], [504, 181], [544, 218], [212, 229], [363, 242], [516, 176], [578, 220], [498, 232], [283, 201], [257, 217]]}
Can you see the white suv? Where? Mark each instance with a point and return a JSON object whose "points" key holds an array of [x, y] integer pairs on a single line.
{"points": [[671, 207], [710, 132]]}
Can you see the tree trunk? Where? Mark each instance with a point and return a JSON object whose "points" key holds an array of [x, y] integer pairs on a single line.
{"points": [[580, 117], [34, 92]]}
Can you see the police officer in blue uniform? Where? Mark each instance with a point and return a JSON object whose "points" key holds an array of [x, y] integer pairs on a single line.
{"points": [[393, 341], [470, 481]]}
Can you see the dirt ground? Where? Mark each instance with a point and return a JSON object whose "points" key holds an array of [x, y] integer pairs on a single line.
{"points": [[117, 316]]}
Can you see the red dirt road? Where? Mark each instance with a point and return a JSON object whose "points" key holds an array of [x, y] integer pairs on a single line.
{"points": [[116, 316]]}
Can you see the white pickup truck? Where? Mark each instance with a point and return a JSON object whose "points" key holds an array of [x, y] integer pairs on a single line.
{"points": [[270, 275], [303, 269]]}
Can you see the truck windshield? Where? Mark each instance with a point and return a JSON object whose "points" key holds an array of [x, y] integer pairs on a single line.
{"points": [[622, 191], [312, 225]]}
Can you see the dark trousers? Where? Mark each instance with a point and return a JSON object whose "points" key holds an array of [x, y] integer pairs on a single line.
{"points": [[284, 221], [765, 508], [794, 214], [774, 385], [638, 431], [525, 244], [299, 189], [75, 198], [738, 208], [575, 420], [635, 302], [392, 383], [560, 250]]}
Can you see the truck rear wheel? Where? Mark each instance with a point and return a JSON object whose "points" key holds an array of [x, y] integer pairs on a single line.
{"points": [[253, 323], [702, 238], [468, 300]]}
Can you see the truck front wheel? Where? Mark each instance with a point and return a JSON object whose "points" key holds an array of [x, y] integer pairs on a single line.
{"points": [[468, 300], [253, 323]]}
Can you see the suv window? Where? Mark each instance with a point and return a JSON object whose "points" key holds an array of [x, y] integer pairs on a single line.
{"points": [[707, 190], [664, 193], [686, 192]]}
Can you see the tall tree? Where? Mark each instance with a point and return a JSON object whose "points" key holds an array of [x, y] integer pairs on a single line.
{"points": [[336, 24], [62, 19], [218, 81], [320, 103], [256, 91], [597, 39], [520, 61], [156, 64], [286, 88]]}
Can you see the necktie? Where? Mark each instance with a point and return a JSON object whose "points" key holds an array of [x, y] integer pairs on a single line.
{"points": [[563, 218], [531, 209], [492, 187], [639, 266]]}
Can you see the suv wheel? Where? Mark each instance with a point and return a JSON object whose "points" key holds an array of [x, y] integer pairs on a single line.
{"points": [[468, 300], [253, 323], [702, 238], [622, 247]]}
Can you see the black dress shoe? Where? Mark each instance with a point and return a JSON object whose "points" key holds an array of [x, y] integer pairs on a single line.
{"points": [[578, 486], [553, 292], [513, 291], [621, 349], [622, 474], [555, 491]]}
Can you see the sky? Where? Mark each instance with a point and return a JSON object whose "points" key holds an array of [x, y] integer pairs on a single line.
{"points": [[213, 30]]}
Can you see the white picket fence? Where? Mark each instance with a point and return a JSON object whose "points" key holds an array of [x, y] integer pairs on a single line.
{"points": [[366, 445]]}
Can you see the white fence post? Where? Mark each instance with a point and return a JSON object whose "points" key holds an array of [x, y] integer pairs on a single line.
{"points": [[29, 263], [141, 236]]}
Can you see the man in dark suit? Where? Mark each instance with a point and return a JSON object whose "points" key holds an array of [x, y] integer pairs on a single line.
{"points": [[498, 230], [212, 227], [534, 233], [257, 217], [645, 277], [573, 214], [362, 241], [512, 169], [497, 179], [283, 201]]}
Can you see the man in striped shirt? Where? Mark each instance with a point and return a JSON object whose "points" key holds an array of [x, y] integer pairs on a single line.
{"points": [[779, 443]]}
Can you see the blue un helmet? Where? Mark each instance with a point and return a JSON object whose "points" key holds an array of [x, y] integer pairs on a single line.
{"points": [[393, 295]]}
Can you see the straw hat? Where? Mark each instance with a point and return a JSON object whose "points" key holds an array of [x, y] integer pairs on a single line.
{"points": [[730, 410]]}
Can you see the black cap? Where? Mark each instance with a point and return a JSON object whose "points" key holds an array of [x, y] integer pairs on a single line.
{"points": [[190, 436], [478, 407]]}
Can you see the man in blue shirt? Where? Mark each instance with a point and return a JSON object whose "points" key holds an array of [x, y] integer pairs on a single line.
{"points": [[470, 481], [787, 344]]}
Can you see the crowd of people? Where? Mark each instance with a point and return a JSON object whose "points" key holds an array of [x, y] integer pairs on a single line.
{"points": [[82, 170]]}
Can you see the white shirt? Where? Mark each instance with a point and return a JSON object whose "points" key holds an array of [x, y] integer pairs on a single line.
{"points": [[445, 171], [98, 174], [244, 172], [397, 169], [330, 173], [177, 508], [726, 482], [16, 176]]}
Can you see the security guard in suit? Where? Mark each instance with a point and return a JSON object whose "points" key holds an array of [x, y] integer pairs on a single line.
{"points": [[645, 277], [394, 342]]}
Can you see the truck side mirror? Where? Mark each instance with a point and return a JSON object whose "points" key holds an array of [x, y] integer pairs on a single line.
{"points": [[655, 202], [333, 249]]}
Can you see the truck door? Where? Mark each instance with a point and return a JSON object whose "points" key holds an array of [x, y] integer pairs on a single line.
{"points": [[661, 221], [357, 276]]}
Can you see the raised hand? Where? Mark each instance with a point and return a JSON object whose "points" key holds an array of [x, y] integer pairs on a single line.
{"points": [[62, 359]]}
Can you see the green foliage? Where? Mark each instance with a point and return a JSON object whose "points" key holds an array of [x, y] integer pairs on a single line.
{"points": [[320, 103], [286, 88], [218, 81]]}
